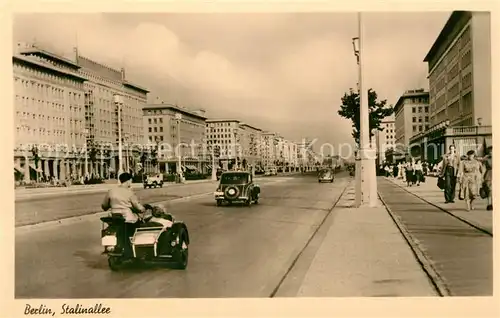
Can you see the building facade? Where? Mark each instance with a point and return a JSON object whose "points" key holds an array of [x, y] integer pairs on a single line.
{"points": [[459, 67], [49, 115], [269, 149], [250, 138], [65, 111], [225, 134], [101, 116], [385, 138], [411, 116], [176, 132]]}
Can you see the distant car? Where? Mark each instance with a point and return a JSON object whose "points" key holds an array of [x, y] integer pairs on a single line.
{"points": [[237, 186], [153, 181], [326, 176]]}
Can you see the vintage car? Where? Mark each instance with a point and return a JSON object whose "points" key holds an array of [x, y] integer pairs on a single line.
{"points": [[153, 181], [326, 176], [237, 186]]}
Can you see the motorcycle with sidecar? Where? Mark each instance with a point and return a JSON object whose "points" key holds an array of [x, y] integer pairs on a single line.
{"points": [[158, 238]]}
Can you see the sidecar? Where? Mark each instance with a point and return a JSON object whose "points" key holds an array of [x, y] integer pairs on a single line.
{"points": [[156, 240]]}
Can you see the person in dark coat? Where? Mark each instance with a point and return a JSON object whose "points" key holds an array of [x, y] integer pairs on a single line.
{"points": [[449, 171]]}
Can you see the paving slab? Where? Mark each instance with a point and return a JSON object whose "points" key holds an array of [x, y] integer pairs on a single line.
{"points": [[364, 255], [429, 191]]}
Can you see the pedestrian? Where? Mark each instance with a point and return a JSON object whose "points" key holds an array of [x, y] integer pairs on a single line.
{"points": [[410, 173], [449, 170], [419, 173], [488, 177], [470, 174], [395, 170]]}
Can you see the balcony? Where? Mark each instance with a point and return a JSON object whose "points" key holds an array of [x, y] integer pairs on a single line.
{"points": [[469, 131]]}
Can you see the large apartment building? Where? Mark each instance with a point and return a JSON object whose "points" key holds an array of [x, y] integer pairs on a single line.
{"points": [[411, 116], [386, 137], [459, 64], [65, 109], [49, 114], [101, 114], [250, 139], [177, 131]]}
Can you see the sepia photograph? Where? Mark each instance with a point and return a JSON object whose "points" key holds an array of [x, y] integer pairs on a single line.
{"points": [[251, 155]]}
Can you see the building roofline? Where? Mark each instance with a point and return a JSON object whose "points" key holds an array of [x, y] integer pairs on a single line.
{"points": [[213, 120], [445, 32], [135, 86], [250, 126], [39, 51], [48, 66], [406, 95], [173, 107]]}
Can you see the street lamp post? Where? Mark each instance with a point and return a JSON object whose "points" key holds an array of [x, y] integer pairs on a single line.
{"points": [[86, 167], [178, 118], [214, 169], [366, 182], [127, 159], [118, 99]]}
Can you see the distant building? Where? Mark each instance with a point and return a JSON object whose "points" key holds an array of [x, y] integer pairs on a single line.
{"points": [[385, 138], [250, 138], [411, 114], [225, 133], [269, 149], [459, 64], [164, 129]]}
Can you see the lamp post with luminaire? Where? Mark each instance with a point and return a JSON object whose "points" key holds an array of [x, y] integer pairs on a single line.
{"points": [[178, 118], [366, 182], [118, 100]]}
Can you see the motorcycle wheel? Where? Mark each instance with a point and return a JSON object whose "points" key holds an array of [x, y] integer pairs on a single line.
{"points": [[181, 255], [115, 263]]}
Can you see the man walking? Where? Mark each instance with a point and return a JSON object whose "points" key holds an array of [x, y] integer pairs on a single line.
{"points": [[449, 170]]}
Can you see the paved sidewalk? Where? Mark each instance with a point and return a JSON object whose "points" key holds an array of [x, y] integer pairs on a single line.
{"points": [[429, 191], [364, 255]]}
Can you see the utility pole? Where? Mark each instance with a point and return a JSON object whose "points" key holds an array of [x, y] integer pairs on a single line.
{"points": [[366, 182]]}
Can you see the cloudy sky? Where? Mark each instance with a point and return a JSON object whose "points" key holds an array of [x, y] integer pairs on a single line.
{"points": [[281, 72]]}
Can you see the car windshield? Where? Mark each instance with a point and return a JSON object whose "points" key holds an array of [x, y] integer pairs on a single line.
{"points": [[235, 178], [325, 174]]}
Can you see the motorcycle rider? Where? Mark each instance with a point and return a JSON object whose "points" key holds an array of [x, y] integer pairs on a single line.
{"points": [[122, 200]]}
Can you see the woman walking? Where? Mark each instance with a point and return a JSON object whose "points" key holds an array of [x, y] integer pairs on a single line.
{"points": [[470, 174], [488, 177]]}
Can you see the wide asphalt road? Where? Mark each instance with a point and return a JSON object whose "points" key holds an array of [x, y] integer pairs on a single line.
{"points": [[235, 251]]}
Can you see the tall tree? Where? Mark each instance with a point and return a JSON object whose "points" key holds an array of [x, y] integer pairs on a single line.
{"points": [[377, 109]]}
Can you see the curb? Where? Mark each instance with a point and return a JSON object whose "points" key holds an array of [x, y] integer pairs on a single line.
{"points": [[437, 281], [68, 191], [308, 242], [471, 223], [83, 217]]}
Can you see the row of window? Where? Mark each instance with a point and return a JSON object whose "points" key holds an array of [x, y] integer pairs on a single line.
{"points": [[420, 119], [420, 128], [425, 109], [46, 76]]}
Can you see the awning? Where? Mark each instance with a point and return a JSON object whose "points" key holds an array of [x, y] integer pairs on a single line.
{"points": [[18, 169], [36, 169], [190, 167]]}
